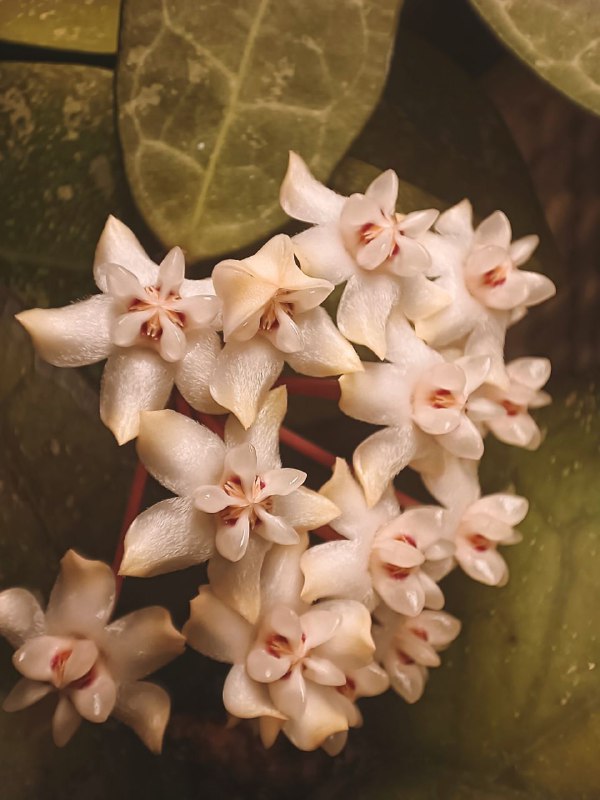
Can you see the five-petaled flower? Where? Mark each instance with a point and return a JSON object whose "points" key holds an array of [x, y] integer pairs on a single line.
{"points": [[363, 240], [95, 666], [153, 325], [272, 314]]}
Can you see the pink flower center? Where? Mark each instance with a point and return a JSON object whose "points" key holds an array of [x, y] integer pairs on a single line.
{"points": [[397, 573], [278, 645], [348, 689], [404, 537], [58, 664], [421, 633], [152, 328], [370, 231], [479, 542], [404, 657], [442, 398], [233, 487], [512, 409], [269, 320], [495, 277]]}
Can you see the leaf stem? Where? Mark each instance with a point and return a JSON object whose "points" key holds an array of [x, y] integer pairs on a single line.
{"points": [[134, 504]]}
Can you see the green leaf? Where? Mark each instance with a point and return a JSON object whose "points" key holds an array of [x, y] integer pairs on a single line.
{"points": [[211, 99], [61, 176], [83, 25], [443, 137], [559, 39], [516, 705]]}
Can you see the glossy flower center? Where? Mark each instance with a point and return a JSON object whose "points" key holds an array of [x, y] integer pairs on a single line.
{"points": [[495, 277], [58, 665], [512, 409], [152, 328], [371, 231], [479, 542], [348, 689], [245, 503], [270, 320], [442, 398]]}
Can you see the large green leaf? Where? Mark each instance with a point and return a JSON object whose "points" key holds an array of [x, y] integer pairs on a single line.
{"points": [[559, 39], [61, 176], [444, 137], [515, 709], [211, 99], [84, 25]]}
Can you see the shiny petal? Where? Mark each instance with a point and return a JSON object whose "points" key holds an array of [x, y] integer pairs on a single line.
{"points": [[519, 430], [241, 461], [531, 372], [281, 578], [323, 254], [380, 458], [244, 373], [264, 667], [304, 509], [282, 482], [25, 693], [21, 616], [320, 670], [305, 198], [405, 596], [180, 453], [464, 441], [144, 707], [171, 272], [408, 680], [318, 626], [96, 699], [82, 598], [351, 646], [476, 369], [245, 698], [215, 630], [522, 249], [289, 694], [384, 191], [379, 395], [275, 529], [118, 245], [263, 434], [364, 309], [122, 284], [194, 371], [337, 570], [412, 258], [232, 539], [65, 722], [457, 221], [34, 658], [539, 288], [74, 335], [168, 536], [238, 583], [508, 508], [487, 567], [421, 297], [417, 222], [323, 717], [142, 642], [172, 345], [495, 230], [244, 297], [324, 350], [373, 254], [212, 499], [134, 381]]}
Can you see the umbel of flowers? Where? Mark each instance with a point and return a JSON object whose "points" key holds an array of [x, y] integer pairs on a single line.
{"points": [[307, 630]]}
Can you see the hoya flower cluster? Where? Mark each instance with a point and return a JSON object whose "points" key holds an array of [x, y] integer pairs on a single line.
{"points": [[307, 630]]}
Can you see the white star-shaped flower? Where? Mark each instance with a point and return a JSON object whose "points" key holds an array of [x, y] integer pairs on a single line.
{"points": [[388, 555], [420, 397], [292, 668], [272, 314], [94, 666], [152, 325], [234, 501], [364, 241], [408, 647], [506, 412]]}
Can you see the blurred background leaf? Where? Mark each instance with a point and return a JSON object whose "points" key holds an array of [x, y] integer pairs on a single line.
{"points": [[559, 39], [61, 177], [82, 25], [210, 103]]}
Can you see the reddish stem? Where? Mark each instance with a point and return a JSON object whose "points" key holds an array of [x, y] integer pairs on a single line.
{"points": [[325, 388], [307, 448], [134, 504]]}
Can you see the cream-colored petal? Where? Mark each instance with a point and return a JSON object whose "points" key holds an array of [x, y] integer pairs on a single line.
{"points": [[380, 458], [486, 567], [82, 598], [96, 699], [244, 373], [337, 570], [72, 336], [508, 508], [344, 491], [487, 340], [464, 441], [238, 583], [281, 578], [25, 693], [178, 452], [145, 708], [263, 434], [118, 245], [245, 698], [168, 536], [194, 371], [457, 221], [324, 350], [244, 297], [519, 430], [134, 380], [289, 695], [380, 394], [216, 630], [531, 372], [141, 642], [305, 509], [303, 197], [171, 272], [323, 717], [323, 254], [384, 191], [351, 646], [364, 309], [21, 616], [539, 287], [420, 297], [274, 528], [476, 369], [408, 680], [65, 721], [494, 230]]}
